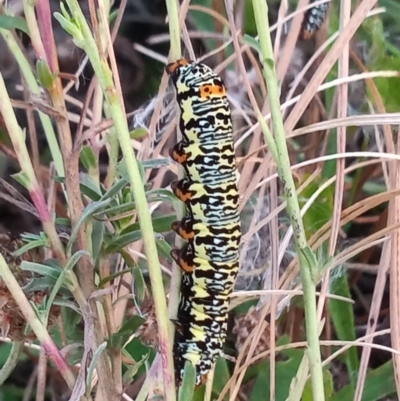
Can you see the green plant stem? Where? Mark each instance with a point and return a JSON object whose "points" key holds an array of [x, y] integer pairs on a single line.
{"points": [[176, 278], [83, 37], [29, 178], [308, 264], [174, 29], [11, 361], [36, 325], [70, 158], [35, 91], [34, 32]]}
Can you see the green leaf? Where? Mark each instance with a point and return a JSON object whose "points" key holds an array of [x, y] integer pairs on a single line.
{"points": [[117, 187], [186, 390], [70, 25], [163, 195], [155, 163], [22, 178], [44, 74], [88, 157], [252, 42], [67, 304], [138, 133], [133, 233], [137, 350], [343, 319], [92, 367], [118, 339], [89, 188], [139, 284], [8, 22], [97, 238], [39, 284], [120, 209], [284, 372], [328, 388], [221, 375], [164, 249], [87, 214], [160, 224], [378, 385], [123, 240], [43, 270], [113, 276], [63, 221], [35, 241]]}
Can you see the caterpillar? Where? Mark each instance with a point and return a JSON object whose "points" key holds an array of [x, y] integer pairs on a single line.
{"points": [[210, 258], [313, 20]]}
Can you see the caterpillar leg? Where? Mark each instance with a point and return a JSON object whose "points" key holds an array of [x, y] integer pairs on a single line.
{"points": [[184, 258]]}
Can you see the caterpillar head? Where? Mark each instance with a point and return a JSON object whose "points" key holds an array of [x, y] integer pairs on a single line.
{"points": [[197, 76]]}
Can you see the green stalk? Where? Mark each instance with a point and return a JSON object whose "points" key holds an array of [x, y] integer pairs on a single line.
{"points": [[307, 259], [27, 176], [174, 29], [11, 362], [176, 278], [36, 325], [77, 26], [35, 91]]}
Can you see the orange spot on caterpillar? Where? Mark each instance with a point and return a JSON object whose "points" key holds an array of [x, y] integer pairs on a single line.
{"points": [[183, 264], [212, 90], [171, 67], [187, 235], [188, 268], [184, 231], [179, 157], [183, 196], [307, 35]]}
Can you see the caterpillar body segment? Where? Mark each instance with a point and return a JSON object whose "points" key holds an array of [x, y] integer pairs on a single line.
{"points": [[205, 163], [313, 20], [208, 239], [209, 203], [210, 258]]}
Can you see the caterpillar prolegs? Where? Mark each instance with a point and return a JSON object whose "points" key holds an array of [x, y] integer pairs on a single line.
{"points": [[210, 258]]}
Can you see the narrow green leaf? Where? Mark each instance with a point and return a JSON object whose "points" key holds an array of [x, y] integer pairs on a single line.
{"points": [[252, 42], [43, 270], [139, 284], [186, 390], [92, 366], [118, 339], [44, 74], [164, 249], [342, 315], [133, 233], [117, 187], [155, 163], [328, 388], [22, 178], [160, 195], [89, 188], [120, 209], [37, 242], [138, 133], [67, 304], [9, 22], [123, 240], [88, 158], [97, 238], [87, 214]]}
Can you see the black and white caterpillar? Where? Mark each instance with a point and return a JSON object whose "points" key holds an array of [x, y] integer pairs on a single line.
{"points": [[210, 258]]}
